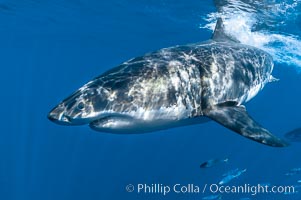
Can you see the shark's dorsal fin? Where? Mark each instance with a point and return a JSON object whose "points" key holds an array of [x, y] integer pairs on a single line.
{"points": [[220, 34]]}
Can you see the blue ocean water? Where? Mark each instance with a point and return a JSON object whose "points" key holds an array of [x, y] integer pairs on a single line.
{"points": [[50, 48]]}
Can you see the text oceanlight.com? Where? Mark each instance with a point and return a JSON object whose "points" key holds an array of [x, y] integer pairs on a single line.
{"points": [[164, 189]]}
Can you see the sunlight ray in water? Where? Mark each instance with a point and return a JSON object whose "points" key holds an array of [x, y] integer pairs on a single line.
{"points": [[262, 26]]}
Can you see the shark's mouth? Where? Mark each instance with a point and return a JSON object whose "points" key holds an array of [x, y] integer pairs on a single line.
{"points": [[114, 123], [57, 116]]}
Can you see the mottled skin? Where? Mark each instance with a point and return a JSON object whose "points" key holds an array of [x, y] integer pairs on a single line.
{"points": [[172, 84], [176, 86]]}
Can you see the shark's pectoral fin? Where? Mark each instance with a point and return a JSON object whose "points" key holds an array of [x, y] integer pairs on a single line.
{"points": [[237, 119]]}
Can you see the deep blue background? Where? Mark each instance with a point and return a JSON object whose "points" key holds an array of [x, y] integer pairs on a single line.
{"points": [[48, 50]]}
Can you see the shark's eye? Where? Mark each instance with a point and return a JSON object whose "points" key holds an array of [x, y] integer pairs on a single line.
{"points": [[81, 105]]}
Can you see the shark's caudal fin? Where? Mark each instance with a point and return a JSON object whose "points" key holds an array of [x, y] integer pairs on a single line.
{"points": [[237, 119], [220, 33]]}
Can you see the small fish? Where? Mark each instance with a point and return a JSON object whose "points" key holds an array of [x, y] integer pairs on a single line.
{"points": [[296, 170], [212, 162], [235, 173], [293, 171], [216, 196], [227, 179], [294, 136]]}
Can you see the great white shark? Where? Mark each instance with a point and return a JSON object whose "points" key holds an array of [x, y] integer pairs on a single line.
{"points": [[176, 86]]}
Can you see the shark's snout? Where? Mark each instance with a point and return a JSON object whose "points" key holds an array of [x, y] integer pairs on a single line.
{"points": [[57, 115]]}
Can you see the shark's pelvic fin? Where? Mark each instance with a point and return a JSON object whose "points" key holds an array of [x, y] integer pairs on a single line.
{"points": [[237, 119]]}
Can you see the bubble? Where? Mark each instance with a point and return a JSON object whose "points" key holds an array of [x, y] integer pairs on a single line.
{"points": [[256, 24]]}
